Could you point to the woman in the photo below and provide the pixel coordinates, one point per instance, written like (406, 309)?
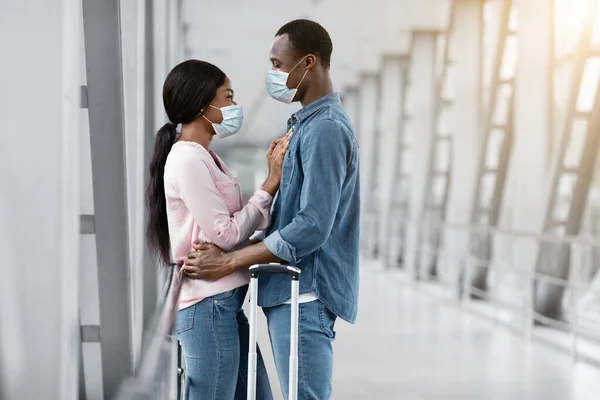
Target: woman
(192, 197)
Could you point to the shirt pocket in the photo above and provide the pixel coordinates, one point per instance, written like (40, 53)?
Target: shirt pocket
(230, 190)
(288, 167)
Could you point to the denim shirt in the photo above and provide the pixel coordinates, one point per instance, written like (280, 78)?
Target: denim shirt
(317, 210)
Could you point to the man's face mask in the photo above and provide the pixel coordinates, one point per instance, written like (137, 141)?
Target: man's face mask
(277, 84)
(233, 118)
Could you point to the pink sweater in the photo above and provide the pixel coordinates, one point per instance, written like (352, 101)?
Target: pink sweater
(204, 204)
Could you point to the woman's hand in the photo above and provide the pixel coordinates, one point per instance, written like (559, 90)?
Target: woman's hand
(275, 156)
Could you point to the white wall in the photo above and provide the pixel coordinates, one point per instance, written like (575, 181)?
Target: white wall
(39, 109)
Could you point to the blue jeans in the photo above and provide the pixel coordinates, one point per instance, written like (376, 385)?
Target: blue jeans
(315, 348)
(214, 336)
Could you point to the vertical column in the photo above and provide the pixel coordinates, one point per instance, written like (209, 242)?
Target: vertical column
(89, 307)
(70, 332)
(132, 22)
(466, 133)
(369, 103)
(572, 172)
(39, 328)
(12, 345)
(146, 130)
(173, 56)
(174, 32)
(421, 109)
(161, 57)
(107, 138)
(529, 167)
(137, 40)
(390, 129)
(350, 99)
(497, 134)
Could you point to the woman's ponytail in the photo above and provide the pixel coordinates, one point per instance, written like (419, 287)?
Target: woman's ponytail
(188, 89)
(157, 231)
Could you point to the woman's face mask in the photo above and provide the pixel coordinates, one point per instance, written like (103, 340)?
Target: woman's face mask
(233, 118)
(277, 84)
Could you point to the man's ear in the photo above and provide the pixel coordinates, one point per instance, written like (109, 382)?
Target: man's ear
(310, 61)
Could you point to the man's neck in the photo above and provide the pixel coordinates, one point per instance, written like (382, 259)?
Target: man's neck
(319, 88)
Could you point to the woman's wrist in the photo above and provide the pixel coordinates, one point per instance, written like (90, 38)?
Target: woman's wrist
(271, 186)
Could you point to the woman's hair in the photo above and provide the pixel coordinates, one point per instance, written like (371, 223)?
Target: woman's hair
(189, 88)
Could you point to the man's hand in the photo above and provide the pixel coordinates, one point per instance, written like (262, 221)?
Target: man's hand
(208, 262)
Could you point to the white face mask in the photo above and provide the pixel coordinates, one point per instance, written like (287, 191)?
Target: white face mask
(277, 84)
(233, 117)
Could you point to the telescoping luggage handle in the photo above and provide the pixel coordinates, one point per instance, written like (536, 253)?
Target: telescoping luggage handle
(294, 273)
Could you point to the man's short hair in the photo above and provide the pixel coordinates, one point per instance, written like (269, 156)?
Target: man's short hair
(309, 37)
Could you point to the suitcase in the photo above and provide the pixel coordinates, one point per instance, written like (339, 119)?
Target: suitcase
(294, 274)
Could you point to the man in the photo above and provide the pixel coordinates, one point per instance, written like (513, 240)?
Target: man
(315, 216)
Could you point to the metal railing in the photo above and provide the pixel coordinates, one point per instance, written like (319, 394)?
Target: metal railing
(159, 375)
(512, 277)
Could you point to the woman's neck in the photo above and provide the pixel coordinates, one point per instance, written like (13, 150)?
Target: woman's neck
(196, 132)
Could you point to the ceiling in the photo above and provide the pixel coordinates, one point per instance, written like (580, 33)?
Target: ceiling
(236, 35)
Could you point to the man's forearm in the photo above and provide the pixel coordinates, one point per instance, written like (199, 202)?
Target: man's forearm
(242, 259)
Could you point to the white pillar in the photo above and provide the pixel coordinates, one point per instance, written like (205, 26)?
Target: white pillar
(421, 112)
(162, 62)
(174, 33)
(39, 333)
(368, 100)
(132, 42)
(392, 76)
(465, 126)
(528, 173)
(569, 21)
(350, 99)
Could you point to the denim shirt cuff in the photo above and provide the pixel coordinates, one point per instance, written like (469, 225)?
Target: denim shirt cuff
(280, 247)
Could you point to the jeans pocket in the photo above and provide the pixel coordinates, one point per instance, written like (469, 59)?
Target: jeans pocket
(184, 320)
(327, 319)
(222, 298)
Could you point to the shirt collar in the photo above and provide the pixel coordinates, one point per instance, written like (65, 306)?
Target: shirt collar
(305, 112)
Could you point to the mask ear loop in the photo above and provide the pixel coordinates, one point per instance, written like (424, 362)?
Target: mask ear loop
(304, 76)
(298, 64)
(217, 108)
